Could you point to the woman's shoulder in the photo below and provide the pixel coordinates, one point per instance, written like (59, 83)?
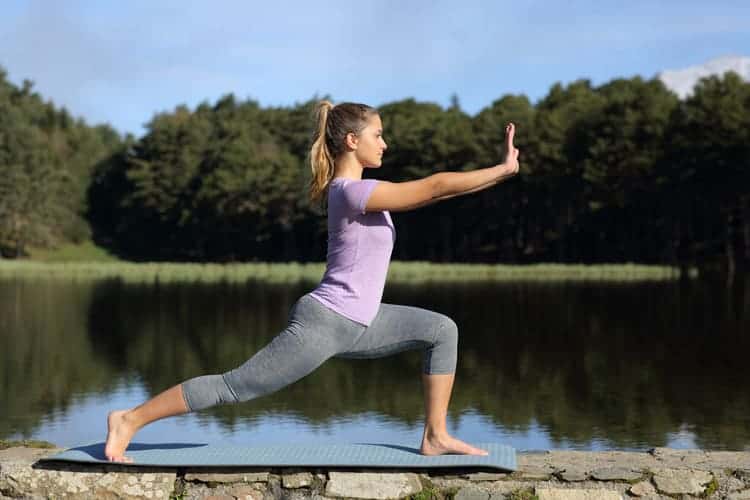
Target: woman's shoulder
(348, 181)
(353, 193)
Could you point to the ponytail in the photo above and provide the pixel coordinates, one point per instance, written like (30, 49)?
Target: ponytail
(321, 161)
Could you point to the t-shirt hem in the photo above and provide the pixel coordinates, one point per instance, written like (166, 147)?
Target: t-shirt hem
(338, 311)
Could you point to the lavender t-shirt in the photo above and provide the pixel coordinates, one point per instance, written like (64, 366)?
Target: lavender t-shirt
(359, 250)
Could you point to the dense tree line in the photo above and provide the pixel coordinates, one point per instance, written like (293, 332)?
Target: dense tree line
(624, 171)
(46, 160)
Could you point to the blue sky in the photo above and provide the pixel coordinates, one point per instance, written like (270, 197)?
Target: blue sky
(120, 62)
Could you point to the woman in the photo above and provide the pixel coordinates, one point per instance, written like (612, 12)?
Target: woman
(343, 316)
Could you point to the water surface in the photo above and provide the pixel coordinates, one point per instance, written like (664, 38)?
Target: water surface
(541, 366)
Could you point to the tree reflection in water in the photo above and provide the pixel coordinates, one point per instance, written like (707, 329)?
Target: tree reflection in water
(628, 364)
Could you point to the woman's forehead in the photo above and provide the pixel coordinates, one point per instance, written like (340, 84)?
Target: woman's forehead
(375, 121)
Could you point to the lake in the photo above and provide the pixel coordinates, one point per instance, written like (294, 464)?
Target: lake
(586, 366)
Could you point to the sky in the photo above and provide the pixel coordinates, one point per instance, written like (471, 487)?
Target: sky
(122, 62)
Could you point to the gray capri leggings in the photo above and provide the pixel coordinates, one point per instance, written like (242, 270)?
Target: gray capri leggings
(316, 333)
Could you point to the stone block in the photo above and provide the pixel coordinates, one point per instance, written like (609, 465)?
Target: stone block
(299, 480)
(576, 494)
(615, 474)
(643, 489)
(469, 493)
(573, 475)
(681, 481)
(245, 492)
(227, 477)
(533, 472)
(734, 484)
(372, 485)
(486, 476)
(21, 480)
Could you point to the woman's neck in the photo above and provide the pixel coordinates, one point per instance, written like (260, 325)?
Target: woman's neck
(347, 167)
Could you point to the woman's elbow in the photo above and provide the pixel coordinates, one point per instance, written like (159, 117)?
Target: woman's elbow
(438, 186)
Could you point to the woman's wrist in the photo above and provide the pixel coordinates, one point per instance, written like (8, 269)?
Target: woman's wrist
(503, 171)
(507, 170)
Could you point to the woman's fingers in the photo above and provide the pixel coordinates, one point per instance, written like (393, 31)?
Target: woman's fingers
(510, 131)
(512, 151)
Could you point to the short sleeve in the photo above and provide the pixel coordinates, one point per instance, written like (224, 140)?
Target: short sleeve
(356, 194)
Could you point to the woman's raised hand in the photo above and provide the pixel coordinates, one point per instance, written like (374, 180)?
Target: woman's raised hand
(511, 153)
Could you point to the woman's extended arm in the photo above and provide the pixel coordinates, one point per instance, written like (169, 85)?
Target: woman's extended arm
(448, 196)
(401, 196)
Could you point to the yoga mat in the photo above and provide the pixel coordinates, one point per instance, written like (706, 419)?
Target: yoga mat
(309, 455)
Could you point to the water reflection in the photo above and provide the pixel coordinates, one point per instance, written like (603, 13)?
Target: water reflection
(570, 365)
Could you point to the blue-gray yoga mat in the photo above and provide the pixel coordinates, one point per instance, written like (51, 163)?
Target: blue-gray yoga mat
(310, 455)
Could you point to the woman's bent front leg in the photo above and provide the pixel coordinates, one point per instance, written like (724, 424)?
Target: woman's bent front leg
(397, 328)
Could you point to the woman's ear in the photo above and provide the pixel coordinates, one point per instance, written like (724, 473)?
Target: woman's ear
(351, 141)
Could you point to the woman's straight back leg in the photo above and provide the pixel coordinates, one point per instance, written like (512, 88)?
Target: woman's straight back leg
(313, 335)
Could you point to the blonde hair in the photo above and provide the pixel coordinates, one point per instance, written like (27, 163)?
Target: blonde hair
(329, 139)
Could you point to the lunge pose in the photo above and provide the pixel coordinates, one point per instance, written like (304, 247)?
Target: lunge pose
(343, 316)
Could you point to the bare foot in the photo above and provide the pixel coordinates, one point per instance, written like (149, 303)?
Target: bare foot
(119, 434)
(447, 444)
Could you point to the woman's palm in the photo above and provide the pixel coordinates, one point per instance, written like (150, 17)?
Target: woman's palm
(511, 152)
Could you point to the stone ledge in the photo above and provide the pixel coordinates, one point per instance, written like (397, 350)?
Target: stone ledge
(661, 473)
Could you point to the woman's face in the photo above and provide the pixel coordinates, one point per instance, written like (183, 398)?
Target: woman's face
(370, 143)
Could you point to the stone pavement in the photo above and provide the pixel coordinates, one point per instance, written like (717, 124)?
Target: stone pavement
(661, 473)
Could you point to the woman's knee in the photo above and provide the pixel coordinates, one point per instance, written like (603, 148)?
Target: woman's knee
(206, 391)
(447, 331)
(442, 357)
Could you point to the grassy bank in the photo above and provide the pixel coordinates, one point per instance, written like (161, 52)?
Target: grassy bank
(402, 272)
(82, 252)
(88, 261)
(26, 443)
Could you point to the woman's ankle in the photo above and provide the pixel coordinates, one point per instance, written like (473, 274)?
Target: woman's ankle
(435, 433)
(129, 418)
